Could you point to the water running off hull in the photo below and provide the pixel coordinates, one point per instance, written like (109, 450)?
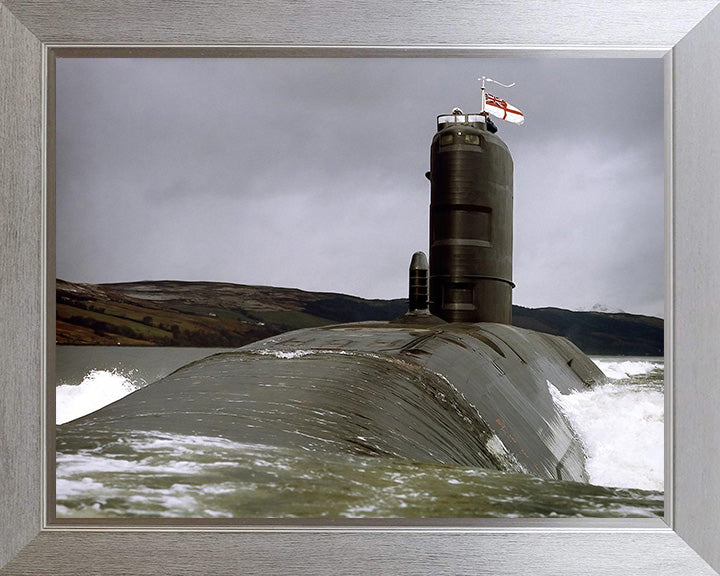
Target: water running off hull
(477, 395)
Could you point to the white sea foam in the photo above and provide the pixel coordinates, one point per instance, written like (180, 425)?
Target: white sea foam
(99, 388)
(619, 369)
(104, 481)
(622, 428)
(88, 497)
(287, 355)
(161, 453)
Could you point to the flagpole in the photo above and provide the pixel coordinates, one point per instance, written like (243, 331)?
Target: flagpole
(482, 98)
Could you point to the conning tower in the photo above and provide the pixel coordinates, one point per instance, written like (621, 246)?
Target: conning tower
(471, 199)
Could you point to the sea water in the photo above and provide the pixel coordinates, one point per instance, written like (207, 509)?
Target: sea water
(146, 474)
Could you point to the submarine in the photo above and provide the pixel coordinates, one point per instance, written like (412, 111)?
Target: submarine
(452, 381)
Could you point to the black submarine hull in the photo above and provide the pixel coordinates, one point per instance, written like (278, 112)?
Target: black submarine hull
(477, 395)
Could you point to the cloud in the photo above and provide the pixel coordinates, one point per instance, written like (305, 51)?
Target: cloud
(310, 172)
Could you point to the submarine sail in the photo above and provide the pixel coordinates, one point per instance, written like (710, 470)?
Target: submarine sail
(471, 197)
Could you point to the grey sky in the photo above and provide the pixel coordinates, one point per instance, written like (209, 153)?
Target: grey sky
(309, 173)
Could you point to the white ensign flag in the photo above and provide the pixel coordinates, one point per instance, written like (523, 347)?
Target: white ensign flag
(500, 108)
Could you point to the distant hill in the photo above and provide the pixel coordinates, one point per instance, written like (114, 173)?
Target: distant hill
(174, 313)
(598, 332)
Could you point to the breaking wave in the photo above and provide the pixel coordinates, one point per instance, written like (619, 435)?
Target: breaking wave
(622, 424)
(617, 369)
(97, 389)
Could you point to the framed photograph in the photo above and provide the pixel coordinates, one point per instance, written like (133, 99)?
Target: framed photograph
(31, 539)
(260, 196)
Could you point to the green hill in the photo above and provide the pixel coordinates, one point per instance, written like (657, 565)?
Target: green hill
(174, 313)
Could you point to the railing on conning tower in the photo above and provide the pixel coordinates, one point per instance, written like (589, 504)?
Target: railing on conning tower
(459, 118)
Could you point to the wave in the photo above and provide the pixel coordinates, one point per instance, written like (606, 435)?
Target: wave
(153, 474)
(618, 369)
(97, 389)
(622, 429)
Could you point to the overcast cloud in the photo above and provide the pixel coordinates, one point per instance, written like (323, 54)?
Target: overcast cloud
(309, 173)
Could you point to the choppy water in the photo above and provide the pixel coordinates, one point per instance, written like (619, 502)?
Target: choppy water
(156, 474)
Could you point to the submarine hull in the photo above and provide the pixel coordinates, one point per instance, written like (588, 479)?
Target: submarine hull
(477, 395)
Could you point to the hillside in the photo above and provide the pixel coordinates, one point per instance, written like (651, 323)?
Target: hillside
(173, 313)
(598, 332)
(170, 313)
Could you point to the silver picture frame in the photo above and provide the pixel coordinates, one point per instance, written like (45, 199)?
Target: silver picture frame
(683, 32)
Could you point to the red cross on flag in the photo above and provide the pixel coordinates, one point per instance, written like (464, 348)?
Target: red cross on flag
(501, 109)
